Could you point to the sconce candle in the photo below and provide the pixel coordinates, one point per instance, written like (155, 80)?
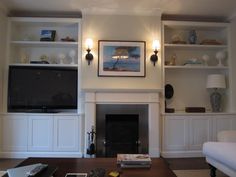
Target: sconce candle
(89, 45)
(156, 47)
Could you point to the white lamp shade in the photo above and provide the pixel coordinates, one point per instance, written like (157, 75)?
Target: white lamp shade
(216, 81)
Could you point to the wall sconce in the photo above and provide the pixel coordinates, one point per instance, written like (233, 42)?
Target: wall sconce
(89, 45)
(156, 47)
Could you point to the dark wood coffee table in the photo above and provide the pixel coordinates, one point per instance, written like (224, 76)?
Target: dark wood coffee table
(159, 167)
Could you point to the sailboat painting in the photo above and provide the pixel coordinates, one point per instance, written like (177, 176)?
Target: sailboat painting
(121, 58)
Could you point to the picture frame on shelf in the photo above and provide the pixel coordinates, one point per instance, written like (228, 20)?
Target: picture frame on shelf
(121, 58)
(47, 35)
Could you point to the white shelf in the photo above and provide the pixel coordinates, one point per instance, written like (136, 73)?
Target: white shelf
(43, 20)
(188, 25)
(198, 113)
(45, 43)
(194, 46)
(46, 65)
(189, 81)
(196, 67)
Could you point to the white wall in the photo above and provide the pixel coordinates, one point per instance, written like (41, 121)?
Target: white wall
(121, 27)
(233, 63)
(3, 26)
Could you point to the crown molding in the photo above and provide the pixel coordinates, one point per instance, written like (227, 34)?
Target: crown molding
(115, 11)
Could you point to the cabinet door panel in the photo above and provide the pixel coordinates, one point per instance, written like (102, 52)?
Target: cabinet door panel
(221, 122)
(175, 133)
(200, 131)
(15, 133)
(66, 133)
(40, 133)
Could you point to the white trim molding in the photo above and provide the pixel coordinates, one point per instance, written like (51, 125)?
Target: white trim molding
(118, 11)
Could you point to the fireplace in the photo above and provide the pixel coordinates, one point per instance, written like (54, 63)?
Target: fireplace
(96, 100)
(121, 129)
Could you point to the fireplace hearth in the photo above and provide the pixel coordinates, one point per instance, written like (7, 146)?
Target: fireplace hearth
(121, 129)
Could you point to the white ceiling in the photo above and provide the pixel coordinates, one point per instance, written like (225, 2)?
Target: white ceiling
(208, 8)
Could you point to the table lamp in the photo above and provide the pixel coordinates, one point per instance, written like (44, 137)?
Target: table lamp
(216, 81)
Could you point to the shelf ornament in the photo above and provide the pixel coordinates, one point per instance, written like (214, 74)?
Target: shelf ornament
(192, 37)
(72, 54)
(205, 58)
(220, 56)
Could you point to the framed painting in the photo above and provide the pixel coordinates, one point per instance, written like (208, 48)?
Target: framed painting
(121, 58)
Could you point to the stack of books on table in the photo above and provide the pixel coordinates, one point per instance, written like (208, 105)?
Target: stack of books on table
(134, 160)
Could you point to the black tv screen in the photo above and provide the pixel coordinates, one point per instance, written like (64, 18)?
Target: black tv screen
(37, 88)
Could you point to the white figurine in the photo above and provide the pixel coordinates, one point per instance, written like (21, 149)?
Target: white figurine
(72, 54)
(220, 56)
(61, 57)
(205, 58)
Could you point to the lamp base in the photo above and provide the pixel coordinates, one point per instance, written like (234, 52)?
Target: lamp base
(216, 101)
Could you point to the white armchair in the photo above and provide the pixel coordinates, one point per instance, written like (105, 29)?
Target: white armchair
(222, 154)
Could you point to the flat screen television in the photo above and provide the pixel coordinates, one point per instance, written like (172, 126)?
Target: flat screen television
(42, 89)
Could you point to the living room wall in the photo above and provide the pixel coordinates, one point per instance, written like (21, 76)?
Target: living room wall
(3, 25)
(233, 63)
(121, 27)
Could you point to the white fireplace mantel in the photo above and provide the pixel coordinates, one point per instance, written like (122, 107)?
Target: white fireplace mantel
(150, 98)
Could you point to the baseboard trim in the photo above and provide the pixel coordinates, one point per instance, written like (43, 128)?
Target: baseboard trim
(39, 154)
(181, 154)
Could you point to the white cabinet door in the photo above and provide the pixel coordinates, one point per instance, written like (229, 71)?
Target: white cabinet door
(1, 131)
(14, 131)
(175, 133)
(40, 133)
(223, 122)
(200, 131)
(66, 133)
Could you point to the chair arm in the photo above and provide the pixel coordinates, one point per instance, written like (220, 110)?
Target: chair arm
(227, 136)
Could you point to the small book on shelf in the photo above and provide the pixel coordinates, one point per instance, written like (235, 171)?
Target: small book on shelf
(134, 160)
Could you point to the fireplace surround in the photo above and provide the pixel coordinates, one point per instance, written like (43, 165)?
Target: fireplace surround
(93, 98)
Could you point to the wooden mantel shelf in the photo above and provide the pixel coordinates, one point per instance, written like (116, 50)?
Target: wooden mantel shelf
(122, 90)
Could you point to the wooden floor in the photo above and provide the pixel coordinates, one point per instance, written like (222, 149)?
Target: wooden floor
(174, 163)
(187, 163)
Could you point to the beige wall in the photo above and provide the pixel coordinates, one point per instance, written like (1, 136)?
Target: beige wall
(121, 27)
(233, 64)
(3, 24)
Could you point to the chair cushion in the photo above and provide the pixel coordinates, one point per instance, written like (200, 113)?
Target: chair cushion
(222, 152)
(227, 136)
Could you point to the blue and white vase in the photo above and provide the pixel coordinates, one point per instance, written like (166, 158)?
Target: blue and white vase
(192, 37)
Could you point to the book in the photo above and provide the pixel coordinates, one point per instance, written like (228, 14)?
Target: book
(133, 159)
(22, 171)
(135, 165)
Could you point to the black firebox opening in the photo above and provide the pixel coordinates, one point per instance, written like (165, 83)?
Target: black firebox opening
(121, 134)
(121, 128)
